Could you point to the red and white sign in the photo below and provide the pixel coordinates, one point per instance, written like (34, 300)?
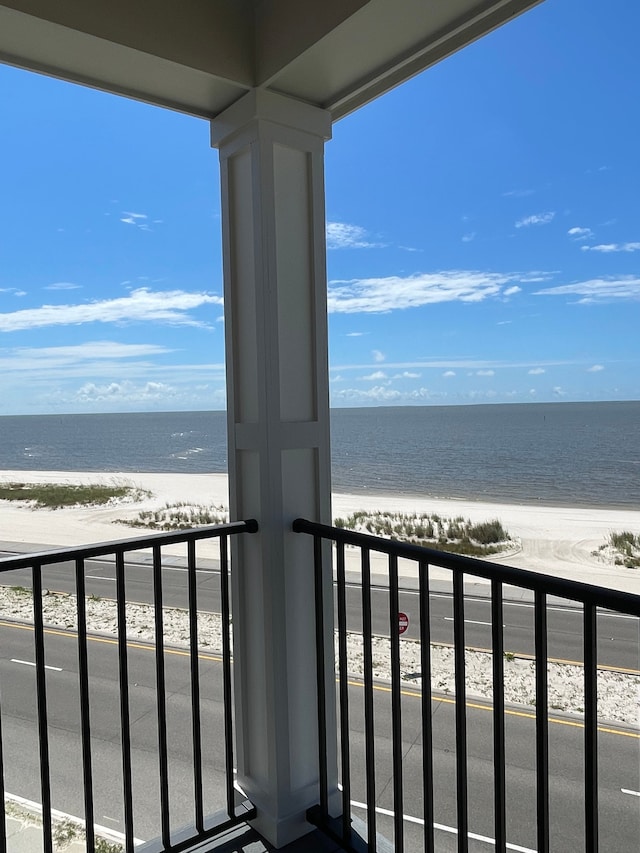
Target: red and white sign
(403, 622)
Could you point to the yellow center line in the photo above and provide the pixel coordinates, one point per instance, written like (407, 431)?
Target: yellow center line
(526, 656)
(508, 711)
(109, 641)
(379, 687)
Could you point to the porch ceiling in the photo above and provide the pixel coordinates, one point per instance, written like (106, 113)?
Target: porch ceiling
(199, 56)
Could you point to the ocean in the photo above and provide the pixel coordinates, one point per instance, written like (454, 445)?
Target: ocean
(571, 454)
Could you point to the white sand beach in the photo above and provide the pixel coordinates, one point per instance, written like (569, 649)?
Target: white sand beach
(553, 540)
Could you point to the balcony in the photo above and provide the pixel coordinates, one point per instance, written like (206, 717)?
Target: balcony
(144, 731)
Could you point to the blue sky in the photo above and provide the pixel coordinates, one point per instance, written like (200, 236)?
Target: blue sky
(483, 234)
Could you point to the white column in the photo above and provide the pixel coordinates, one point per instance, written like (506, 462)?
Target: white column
(273, 220)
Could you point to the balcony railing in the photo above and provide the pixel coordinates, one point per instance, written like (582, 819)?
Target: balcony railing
(83, 696)
(379, 740)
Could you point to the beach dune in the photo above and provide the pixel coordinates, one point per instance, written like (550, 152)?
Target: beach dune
(553, 540)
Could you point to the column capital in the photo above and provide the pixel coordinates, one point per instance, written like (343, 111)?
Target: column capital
(259, 105)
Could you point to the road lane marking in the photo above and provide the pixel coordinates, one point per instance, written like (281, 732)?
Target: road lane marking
(443, 828)
(478, 706)
(148, 647)
(31, 663)
(469, 621)
(631, 793)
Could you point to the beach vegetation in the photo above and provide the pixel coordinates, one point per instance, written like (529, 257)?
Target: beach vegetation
(457, 535)
(178, 516)
(623, 547)
(61, 495)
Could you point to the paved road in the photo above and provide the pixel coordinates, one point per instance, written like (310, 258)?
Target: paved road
(619, 750)
(619, 636)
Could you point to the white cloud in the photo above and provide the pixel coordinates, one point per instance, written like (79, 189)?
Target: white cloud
(142, 305)
(377, 355)
(340, 235)
(511, 291)
(580, 233)
(407, 374)
(383, 394)
(63, 285)
(124, 392)
(536, 219)
(92, 350)
(380, 295)
(485, 373)
(448, 373)
(536, 371)
(376, 376)
(596, 368)
(355, 334)
(137, 219)
(378, 393)
(518, 193)
(607, 248)
(598, 290)
(467, 238)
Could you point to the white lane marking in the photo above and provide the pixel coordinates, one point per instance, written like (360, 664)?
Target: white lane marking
(105, 832)
(31, 663)
(468, 621)
(451, 829)
(164, 569)
(576, 611)
(631, 793)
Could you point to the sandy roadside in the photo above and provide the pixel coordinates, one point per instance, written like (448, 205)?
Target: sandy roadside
(553, 540)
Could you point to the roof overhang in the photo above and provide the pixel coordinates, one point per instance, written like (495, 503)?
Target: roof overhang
(200, 56)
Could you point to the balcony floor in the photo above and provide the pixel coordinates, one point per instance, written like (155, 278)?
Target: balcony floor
(243, 839)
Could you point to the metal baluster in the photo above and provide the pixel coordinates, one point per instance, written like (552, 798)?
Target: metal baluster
(370, 757)
(396, 705)
(320, 678)
(427, 727)
(461, 712)
(343, 694)
(499, 757)
(41, 689)
(125, 723)
(226, 673)
(542, 723)
(85, 720)
(195, 687)
(3, 827)
(590, 729)
(161, 698)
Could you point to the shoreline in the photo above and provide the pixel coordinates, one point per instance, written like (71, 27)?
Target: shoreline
(555, 540)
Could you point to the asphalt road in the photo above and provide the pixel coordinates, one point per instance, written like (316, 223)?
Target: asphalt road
(619, 752)
(619, 635)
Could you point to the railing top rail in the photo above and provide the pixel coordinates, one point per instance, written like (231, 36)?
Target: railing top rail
(134, 543)
(612, 599)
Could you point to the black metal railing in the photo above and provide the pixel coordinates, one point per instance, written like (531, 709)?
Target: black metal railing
(177, 714)
(381, 742)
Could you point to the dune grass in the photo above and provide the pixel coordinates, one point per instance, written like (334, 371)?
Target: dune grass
(178, 516)
(61, 495)
(458, 535)
(624, 547)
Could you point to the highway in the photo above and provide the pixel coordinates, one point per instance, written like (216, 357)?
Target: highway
(619, 750)
(619, 635)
